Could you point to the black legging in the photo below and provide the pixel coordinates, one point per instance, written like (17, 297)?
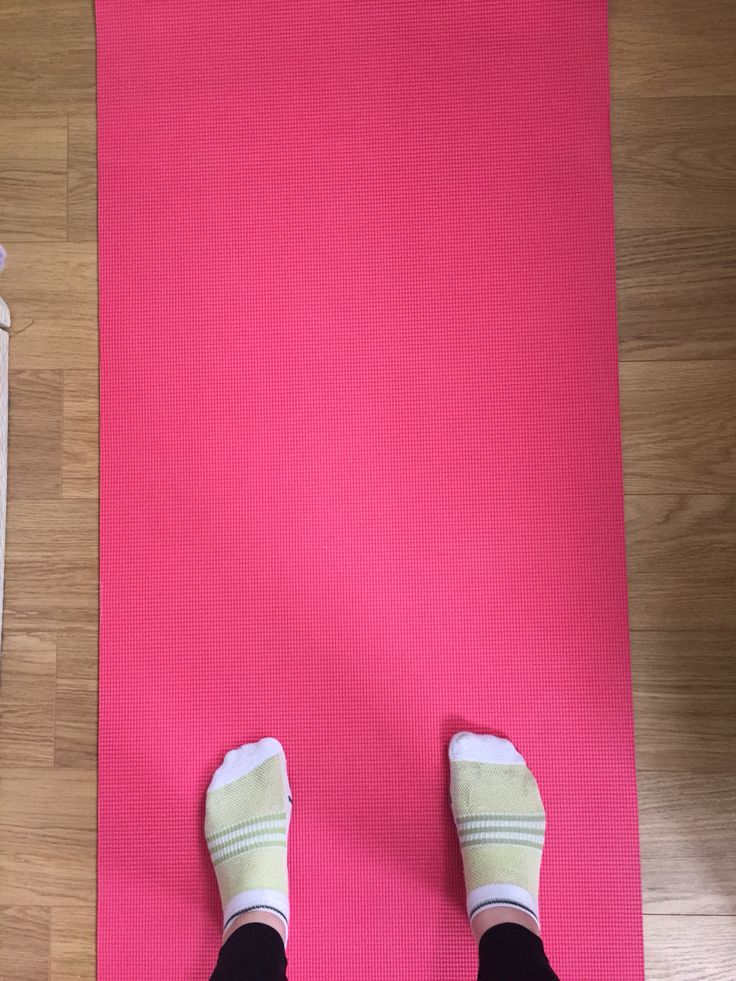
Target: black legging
(508, 952)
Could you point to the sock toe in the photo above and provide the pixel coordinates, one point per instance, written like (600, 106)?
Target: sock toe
(479, 748)
(245, 758)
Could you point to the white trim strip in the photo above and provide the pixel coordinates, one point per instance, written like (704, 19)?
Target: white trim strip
(481, 836)
(494, 895)
(532, 824)
(269, 900)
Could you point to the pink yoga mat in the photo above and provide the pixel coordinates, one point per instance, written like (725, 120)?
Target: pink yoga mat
(361, 476)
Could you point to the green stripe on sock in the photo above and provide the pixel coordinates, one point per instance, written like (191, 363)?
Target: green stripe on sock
(507, 829)
(490, 842)
(280, 816)
(277, 834)
(539, 818)
(219, 859)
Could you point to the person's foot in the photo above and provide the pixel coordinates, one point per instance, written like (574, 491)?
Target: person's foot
(500, 821)
(248, 810)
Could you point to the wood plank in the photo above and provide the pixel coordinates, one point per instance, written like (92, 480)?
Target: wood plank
(674, 163)
(681, 562)
(81, 434)
(24, 943)
(51, 565)
(672, 47)
(73, 951)
(75, 743)
(76, 699)
(82, 225)
(34, 434)
(48, 57)
(47, 837)
(676, 293)
(76, 661)
(27, 693)
(688, 859)
(679, 427)
(685, 701)
(51, 290)
(33, 184)
(690, 948)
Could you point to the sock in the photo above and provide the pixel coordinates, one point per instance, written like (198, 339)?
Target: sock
(248, 810)
(500, 821)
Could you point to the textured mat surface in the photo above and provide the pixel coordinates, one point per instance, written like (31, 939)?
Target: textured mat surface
(360, 465)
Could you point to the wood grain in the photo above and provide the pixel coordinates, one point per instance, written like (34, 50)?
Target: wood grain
(81, 435)
(685, 820)
(676, 293)
(75, 743)
(690, 948)
(75, 729)
(685, 701)
(27, 699)
(35, 406)
(24, 943)
(52, 290)
(72, 955)
(48, 62)
(672, 47)
(675, 163)
(682, 561)
(679, 427)
(82, 217)
(47, 836)
(33, 174)
(76, 661)
(51, 565)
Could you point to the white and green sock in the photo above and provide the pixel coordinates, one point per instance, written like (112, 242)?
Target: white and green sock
(500, 821)
(247, 818)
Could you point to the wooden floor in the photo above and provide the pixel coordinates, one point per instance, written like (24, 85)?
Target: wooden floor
(674, 138)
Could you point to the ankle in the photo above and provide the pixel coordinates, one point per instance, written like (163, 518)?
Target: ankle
(256, 916)
(488, 918)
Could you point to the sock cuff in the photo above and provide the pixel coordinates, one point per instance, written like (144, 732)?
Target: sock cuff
(265, 900)
(502, 894)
